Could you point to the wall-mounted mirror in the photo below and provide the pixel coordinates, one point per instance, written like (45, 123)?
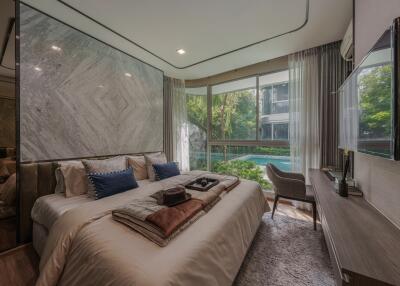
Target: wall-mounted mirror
(8, 196)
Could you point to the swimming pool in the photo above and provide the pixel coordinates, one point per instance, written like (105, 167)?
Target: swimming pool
(282, 162)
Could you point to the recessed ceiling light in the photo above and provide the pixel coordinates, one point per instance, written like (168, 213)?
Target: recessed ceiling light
(128, 74)
(100, 86)
(181, 51)
(56, 48)
(37, 69)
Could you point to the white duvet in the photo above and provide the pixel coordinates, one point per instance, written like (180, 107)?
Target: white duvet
(87, 247)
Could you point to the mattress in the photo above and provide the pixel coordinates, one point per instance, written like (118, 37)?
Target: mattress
(39, 237)
(80, 252)
(48, 209)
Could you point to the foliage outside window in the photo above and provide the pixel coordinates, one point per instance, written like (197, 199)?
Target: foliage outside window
(233, 107)
(234, 110)
(196, 100)
(375, 118)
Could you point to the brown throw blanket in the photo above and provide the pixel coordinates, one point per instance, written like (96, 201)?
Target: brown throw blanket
(161, 223)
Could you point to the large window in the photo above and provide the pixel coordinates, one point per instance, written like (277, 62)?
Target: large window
(196, 99)
(274, 103)
(234, 110)
(239, 126)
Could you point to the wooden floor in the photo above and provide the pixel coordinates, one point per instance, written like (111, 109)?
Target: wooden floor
(19, 266)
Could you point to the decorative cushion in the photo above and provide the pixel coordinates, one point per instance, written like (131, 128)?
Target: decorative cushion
(138, 164)
(151, 159)
(108, 184)
(167, 170)
(103, 166)
(71, 178)
(8, 190)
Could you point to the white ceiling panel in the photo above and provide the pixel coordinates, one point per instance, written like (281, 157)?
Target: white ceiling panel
(153, 30)
(204, 29)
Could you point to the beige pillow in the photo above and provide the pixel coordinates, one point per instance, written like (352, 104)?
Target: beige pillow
(71, 178)
(118, 163)
(154, 158)
(8, 190)
(138, 164)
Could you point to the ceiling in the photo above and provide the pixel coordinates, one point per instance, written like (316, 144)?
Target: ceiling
(208, 30)
(7, 36)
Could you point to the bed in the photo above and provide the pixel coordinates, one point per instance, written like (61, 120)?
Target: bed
(80, 243)
(47, 209)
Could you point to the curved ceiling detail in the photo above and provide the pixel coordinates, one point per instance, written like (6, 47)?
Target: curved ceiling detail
(182, 67)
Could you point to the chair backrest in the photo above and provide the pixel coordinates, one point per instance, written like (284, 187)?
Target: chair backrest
(285, 186)
(271, 174)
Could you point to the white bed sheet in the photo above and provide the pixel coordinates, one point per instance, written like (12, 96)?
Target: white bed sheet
(48, 209)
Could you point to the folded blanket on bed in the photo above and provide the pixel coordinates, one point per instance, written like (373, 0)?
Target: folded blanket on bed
(160, 223)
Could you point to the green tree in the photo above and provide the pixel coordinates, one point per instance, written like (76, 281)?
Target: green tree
(375, 102)
(243, 169)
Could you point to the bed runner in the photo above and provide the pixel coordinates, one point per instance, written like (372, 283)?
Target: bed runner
(160, 223)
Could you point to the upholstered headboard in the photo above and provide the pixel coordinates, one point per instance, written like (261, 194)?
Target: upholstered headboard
(35, 180)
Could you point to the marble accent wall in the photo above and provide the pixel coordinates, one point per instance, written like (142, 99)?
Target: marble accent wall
(80, 97)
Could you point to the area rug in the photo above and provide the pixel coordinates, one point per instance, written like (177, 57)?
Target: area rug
(286, 251)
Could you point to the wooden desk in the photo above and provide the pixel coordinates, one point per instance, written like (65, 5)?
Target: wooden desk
(363, 245)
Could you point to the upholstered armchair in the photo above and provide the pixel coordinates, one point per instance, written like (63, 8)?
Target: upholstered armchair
(291, 186)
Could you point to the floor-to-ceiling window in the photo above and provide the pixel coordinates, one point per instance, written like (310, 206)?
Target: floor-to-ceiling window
(196, 100)
(239, 126)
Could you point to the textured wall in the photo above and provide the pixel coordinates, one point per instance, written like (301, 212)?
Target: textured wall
(378, 178)
(78, 101)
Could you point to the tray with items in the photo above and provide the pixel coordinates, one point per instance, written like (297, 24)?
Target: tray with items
(202, 184)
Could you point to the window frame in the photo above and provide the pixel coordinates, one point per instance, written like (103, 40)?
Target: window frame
(258, 141)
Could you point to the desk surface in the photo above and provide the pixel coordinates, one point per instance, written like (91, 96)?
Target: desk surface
(364, 241)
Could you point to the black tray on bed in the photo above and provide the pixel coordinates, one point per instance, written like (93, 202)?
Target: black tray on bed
(202, 184)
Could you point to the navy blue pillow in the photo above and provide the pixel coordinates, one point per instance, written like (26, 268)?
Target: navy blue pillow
(167, 170)
(108, 184)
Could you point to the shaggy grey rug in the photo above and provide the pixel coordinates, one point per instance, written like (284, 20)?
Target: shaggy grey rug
(286, 251)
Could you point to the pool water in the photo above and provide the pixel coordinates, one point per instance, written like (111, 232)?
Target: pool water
(282, 162)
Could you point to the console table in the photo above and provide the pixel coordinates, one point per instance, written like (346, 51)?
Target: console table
(364, 246)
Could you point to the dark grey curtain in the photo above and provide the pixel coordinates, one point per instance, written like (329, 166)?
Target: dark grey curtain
(333, 71)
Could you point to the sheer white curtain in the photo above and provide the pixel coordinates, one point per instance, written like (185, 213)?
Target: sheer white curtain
(180, 127)
(304, 124)
(177, 143)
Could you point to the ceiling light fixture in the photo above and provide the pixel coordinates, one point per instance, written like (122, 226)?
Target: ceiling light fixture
(128, 74)
(181, 51)
(56, 48)
(37, 69)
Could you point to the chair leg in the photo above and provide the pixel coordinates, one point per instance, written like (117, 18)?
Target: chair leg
(275, 205)
(314, 206)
